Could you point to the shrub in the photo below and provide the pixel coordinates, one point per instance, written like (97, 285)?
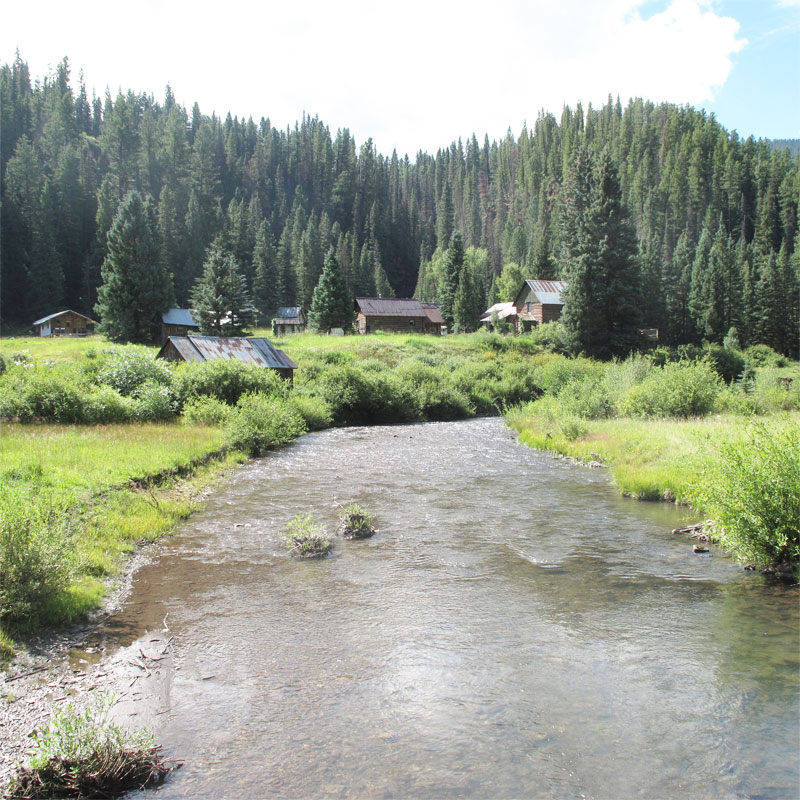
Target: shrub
(436, 401)
(558, 371)
(586, 398)
(33, 561)
(227, 381)
(728, 363)
(753, 494)
(260, 422)
(42, 393)
(314, 410)
(305, 538)
(571, 427)
(205, 411)
(762, 355)
(551, 336)
(82, 754)
(154, 402)
(355, 522)
(2, 365)
(105, 406)
(678, 389)
(127, 369)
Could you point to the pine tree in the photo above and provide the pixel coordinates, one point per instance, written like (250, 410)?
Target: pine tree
(468, 304)
(266, 288)
(219, 298)
(136, 288)
(453, 266)
(332, 304)
(602, 298)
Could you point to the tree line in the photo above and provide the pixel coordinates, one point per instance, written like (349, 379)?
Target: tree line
(709, 238)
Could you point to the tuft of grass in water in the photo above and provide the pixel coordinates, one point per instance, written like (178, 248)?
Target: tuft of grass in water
(305, 538)
(83, 754)
(355, 522)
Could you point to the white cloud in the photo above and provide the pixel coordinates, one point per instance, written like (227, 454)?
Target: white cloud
(415, 76)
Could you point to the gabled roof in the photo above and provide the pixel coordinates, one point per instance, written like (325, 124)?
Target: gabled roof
(290, 315)
(503, 310)
(546, 292)
(180, 316)
(249, 351)
(390, 307)
(59, 313)
(433, 313)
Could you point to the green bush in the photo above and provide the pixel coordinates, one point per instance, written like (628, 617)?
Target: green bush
(33, 561)
(728, 363)
(555, 373)
(154, 402)
(586, 398)
(355, 522)
(205, 411)
(44, 393)
(129, 368)
(314, 410)
(753, 494)
(678, 389)
(226, 380)
(260, 422)
(105, 406)
(762, 355)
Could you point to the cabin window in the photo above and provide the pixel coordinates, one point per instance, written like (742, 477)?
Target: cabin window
(411, 322)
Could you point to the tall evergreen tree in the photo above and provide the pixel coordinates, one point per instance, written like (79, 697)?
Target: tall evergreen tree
(332, 304)
(136, 288)
(219, 298)
(602, 298)
(266, 284)
(453, 266)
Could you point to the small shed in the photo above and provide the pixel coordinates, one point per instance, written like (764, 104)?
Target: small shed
(290, 319)
(397, 315)
(64, 323)
(538, 302)
(249, 351)
(505, 312)
(178, 322)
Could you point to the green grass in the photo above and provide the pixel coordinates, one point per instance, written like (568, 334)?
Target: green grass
(53, 348)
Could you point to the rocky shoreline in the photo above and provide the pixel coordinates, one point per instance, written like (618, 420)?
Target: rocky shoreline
(69, 667)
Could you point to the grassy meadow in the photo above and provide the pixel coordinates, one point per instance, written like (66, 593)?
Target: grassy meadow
(102, 447)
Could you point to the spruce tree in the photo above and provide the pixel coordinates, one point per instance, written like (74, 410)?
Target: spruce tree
(453, 266)
(266, 286)
(602, 298)
(219, 298)
(332, 304)
(136, 288)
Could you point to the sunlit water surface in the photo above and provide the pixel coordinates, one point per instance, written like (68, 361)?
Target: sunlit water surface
(515, 629)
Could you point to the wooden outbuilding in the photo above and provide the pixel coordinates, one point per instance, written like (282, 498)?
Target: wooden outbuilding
(289, 319)
(64, 323)
(504, 312)
(397, 315)
(178, 322)
(248, 351)
(538, 302)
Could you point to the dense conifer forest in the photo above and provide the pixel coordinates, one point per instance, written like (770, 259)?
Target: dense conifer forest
(714, 217)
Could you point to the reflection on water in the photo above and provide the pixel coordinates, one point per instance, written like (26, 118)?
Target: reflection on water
(515, 629)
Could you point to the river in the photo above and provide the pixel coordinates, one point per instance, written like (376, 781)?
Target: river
(514, 629)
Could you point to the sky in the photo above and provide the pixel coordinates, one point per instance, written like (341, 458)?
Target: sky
(418, 75)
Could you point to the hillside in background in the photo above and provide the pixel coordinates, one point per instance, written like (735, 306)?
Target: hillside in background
(715, 216)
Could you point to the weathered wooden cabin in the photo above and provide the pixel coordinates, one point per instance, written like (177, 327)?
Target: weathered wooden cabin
(538, 302)
(397, 315)
(64, 323)
(249, 351)
(290, 319)
(178, 322)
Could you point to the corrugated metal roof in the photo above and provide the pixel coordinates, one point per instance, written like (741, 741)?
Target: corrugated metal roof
(180, 316)
(289, 314)
(249, 351)
(59, 313)
(548, 292)
(390, 307)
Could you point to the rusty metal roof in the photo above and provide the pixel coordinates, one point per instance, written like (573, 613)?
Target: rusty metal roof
(390, 307)
(249, 351)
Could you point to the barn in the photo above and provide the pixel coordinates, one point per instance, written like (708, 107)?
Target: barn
(397, 315)
(64, 323)
(538, 302)
(209, 348)
(289, 319)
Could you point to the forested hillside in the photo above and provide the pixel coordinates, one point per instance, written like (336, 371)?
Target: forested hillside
(715, 217)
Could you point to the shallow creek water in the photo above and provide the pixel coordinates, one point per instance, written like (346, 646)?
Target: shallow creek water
(515, 629)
